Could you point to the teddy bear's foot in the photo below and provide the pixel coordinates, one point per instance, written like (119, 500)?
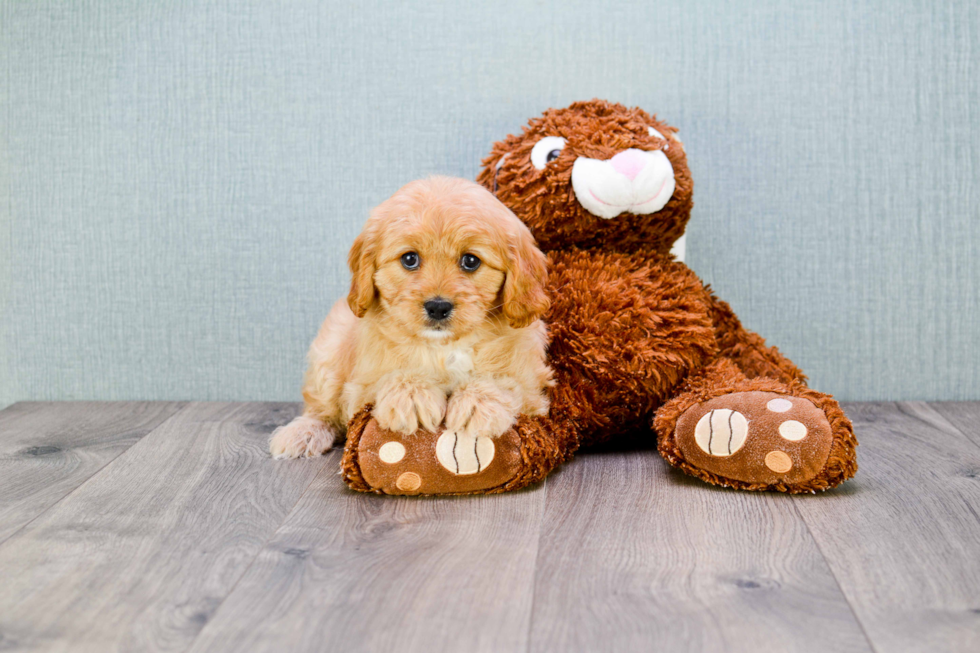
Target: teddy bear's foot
(444, 462)
(759, 438)
(447, 462)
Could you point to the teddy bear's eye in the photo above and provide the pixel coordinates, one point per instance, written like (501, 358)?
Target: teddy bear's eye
(546, 150)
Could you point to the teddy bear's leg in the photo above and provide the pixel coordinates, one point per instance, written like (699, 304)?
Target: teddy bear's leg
(384, 462)
(756, 434)
(748, 350)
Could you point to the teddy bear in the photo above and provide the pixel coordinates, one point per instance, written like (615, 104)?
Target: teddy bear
(638, 343)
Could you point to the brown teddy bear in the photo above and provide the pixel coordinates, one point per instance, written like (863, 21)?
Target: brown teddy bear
(637, 339)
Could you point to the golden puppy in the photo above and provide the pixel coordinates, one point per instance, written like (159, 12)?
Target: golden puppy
(441, 323)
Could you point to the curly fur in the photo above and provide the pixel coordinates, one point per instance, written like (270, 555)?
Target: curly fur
(479, 367)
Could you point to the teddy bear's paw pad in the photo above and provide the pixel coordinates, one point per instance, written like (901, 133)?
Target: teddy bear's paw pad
(756, 437)
(721, 432)
(445, 462)
(463, 455)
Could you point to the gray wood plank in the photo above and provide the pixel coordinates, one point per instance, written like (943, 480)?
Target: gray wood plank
(637, 557)
(964, 415)
(49, 449)
(357, 572)
(139, 557)
(903, 537)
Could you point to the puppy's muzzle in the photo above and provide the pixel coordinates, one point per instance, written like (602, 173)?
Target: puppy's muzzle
(438, 309)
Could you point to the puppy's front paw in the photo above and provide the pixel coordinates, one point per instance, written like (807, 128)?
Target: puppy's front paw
(403, 406)
(304, 436)
(481, 409)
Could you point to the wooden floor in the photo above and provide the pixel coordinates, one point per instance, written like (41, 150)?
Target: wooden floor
(165, 526)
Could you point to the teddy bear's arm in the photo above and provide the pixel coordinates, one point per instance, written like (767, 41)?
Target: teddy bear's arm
(625, 332)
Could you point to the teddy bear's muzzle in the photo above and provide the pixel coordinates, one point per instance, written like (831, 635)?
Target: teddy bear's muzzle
(633, 181)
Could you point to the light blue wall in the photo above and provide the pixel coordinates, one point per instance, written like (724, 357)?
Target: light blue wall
(180, 182)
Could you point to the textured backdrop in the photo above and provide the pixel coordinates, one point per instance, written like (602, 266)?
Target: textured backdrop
(180, 181)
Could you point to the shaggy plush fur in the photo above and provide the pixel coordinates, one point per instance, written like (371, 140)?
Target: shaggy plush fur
(626, 329)
(545, 201)
(476, 368)
(636, 338)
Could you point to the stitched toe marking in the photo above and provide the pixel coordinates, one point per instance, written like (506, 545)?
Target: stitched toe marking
(721, 432)
(462, 455)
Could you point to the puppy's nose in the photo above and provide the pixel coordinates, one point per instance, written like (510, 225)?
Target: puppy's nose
(438, 308)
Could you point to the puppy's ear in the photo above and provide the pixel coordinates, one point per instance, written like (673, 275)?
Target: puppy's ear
(525, 297)
(362, 267)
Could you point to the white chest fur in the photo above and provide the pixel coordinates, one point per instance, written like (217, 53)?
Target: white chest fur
(458, 362)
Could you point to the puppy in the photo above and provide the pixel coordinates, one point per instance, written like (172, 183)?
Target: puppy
(441, 323)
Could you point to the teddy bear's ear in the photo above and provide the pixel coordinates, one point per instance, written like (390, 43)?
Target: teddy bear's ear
(525, 295)
(491, 168)
(676, 138)
(666, 133)
(496, 171)
(361, 261)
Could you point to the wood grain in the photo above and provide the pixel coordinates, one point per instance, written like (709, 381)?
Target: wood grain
(636, 557)
(191, 538)
(361, 572)
(903, 537)
(139, 557)
(48, 450)
(964, 415)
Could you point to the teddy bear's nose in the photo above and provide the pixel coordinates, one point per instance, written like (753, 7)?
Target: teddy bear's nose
(629, 163)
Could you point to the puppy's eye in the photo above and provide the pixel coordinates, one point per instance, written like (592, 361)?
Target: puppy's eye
(469, 262)
(546, 150)
(410, 261)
